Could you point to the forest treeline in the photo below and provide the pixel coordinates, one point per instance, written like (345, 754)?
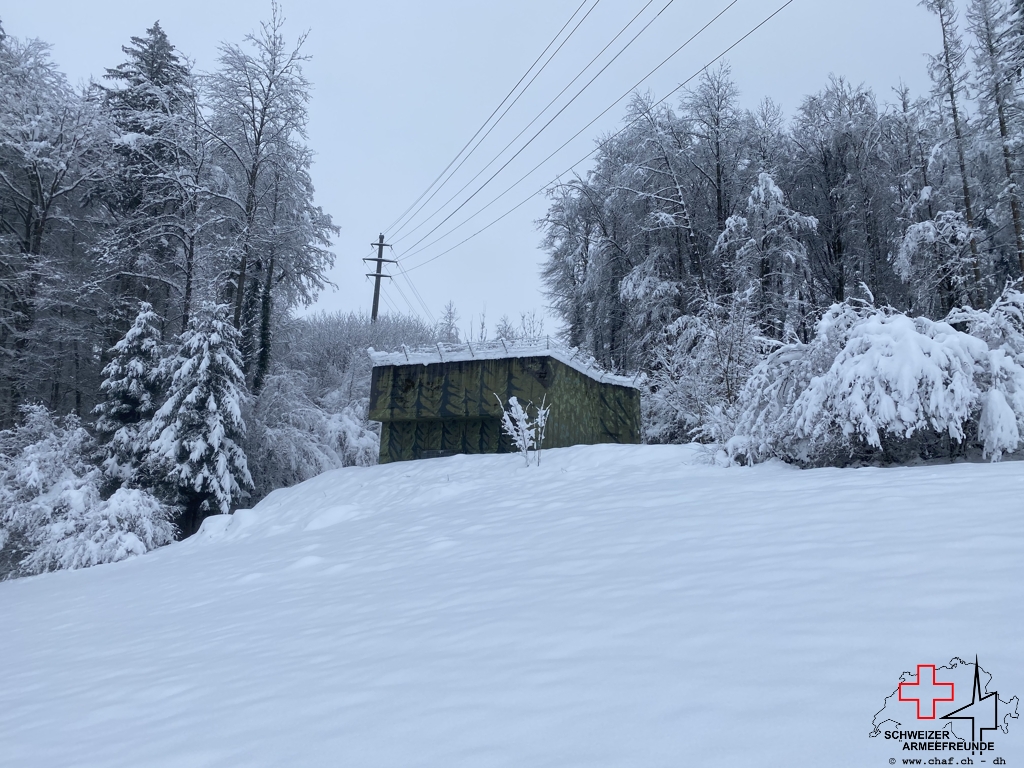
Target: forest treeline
(158, 230)
(712, 246)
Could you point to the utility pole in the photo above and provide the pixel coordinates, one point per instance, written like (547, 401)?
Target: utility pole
(380, 260)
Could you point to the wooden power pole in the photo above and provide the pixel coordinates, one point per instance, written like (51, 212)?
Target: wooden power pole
(380, 260)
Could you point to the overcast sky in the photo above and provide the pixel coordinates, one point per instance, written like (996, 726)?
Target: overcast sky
(401, 85)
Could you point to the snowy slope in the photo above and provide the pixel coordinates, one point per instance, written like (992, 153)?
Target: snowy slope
(617, 606)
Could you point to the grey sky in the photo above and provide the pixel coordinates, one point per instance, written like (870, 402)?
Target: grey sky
(401, 85)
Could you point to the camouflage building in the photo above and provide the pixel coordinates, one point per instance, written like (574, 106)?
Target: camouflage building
(442, 402)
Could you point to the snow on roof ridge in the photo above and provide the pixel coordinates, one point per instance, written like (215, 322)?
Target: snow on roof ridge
(496, 350)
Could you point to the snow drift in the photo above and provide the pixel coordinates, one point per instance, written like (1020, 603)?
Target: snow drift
(616, 606)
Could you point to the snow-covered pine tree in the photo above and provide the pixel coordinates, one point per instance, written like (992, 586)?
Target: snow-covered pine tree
(152, 85)
(158, 187)
(448, 325)
(767, 254)
(132, 392)
(195, 437)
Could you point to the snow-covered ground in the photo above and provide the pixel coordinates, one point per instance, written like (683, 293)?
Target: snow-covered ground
(616, 606)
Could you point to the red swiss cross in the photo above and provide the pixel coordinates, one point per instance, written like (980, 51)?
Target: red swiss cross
(926, 692)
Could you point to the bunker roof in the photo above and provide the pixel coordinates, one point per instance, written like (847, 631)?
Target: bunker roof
(498, 350)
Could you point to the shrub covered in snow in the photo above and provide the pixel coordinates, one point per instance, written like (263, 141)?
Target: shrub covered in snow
(873, 379)
(292, 438)
(699, 370)
(526, 433)
(131, 522)
(353, 435)
(52, 514)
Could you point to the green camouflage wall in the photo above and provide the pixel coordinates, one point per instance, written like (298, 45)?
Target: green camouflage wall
(445, 408)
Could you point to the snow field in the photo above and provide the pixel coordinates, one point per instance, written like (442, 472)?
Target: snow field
(616, 606)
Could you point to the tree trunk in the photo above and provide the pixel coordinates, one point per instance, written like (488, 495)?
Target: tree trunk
(190, 257)
(252, 177)
(961, 154)
(266, 308)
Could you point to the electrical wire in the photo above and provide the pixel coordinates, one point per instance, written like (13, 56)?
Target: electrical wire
(384, 295)
(415, 292)
(507, 97)
(547, 124)
(493, 126)
(414, 247)
(589, 154)
(524, 130)
(401, 293)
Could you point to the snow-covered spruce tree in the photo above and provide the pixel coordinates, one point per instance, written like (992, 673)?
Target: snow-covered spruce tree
(763, 251)
(161, 188)
(132, 391)
(52, 513)
(195, 437)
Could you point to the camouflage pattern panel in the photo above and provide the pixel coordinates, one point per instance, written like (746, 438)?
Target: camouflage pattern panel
(411, 440)
(587, 412)
(431, 402)
(397, 440)
(457, 390)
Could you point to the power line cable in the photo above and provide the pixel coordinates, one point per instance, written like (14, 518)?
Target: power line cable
(418, 296)
(413, 248)
(384, 295)
(415, 292)
(401, 293)
(585, 157)
(546, 125)
(507, 97)
(494, 125)
(395, 235)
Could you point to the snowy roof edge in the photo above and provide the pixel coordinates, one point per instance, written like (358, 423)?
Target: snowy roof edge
(454, 353)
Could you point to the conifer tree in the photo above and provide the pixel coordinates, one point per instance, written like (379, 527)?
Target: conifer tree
(195, 437)
(131, 391)
(156, 193)
(151, 86)
(768, 255)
